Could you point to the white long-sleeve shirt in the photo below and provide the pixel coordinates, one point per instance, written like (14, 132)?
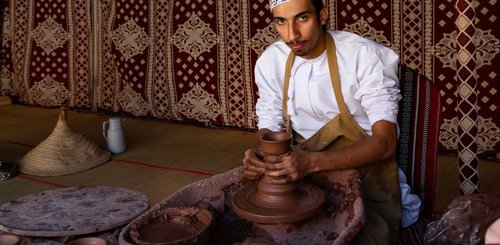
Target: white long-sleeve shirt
(370, 88)
(368, 78)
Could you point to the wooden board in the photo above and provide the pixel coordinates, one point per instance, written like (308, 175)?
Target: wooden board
(71, 211)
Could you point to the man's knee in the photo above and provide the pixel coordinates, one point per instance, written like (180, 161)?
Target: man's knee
(375, 231)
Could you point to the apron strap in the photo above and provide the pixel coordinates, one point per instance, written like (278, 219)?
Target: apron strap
(334, 77)
(334, 74)
(286, 85)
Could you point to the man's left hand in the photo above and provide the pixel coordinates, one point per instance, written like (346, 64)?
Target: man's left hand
(289, 167)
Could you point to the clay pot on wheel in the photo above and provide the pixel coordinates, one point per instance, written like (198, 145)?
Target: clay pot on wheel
(270, 203)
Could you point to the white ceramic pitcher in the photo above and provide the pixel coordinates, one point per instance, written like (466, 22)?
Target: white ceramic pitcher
(114, 135)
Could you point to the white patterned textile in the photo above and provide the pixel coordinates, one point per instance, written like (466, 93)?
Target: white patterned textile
(274, 3)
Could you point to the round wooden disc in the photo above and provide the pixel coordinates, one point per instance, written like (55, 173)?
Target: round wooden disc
(71, 211)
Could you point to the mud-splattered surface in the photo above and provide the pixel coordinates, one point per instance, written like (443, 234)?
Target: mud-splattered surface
(341, 218)
(71, 211)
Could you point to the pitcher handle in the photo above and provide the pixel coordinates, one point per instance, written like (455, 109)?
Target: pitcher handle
(104, 130)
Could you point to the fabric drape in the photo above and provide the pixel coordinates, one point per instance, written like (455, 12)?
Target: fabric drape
(467, 97)
(192, 61)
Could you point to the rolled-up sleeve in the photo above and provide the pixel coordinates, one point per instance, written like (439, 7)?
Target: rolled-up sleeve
(378, 92)
(269, 104)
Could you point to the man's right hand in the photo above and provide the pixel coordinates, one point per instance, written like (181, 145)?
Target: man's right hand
(253, 162)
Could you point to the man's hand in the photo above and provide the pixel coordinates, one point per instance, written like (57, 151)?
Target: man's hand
(253, 163)
(289, 167)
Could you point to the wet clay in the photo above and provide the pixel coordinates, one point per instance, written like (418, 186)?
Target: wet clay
(278, 203)
(182, 225)
(336, 224)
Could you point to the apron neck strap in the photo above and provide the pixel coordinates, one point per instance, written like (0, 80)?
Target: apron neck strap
(334, 74)
(334, 77)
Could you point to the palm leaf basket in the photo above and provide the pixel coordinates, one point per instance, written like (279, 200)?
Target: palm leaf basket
(63, 152)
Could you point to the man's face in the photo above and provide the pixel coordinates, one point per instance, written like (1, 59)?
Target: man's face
(298, 25)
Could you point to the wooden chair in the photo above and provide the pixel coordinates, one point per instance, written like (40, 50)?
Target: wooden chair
(419, 120)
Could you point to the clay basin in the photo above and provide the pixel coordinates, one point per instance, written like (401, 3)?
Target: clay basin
(175, 225)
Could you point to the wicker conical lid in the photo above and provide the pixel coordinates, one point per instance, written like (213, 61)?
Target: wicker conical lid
(64, 151)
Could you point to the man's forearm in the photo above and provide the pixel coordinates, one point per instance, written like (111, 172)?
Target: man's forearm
(379, 146)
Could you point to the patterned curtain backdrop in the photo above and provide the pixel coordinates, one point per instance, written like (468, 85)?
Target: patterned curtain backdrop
(47, 52)
(193, 60)
(467, 97)
(182, 60)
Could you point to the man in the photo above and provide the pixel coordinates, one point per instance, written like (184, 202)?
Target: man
(337, 93)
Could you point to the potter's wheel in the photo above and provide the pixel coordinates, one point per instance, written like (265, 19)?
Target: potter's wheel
(330, 226)
(307, 201)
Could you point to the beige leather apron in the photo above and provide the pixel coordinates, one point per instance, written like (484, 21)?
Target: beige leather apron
(379, 181)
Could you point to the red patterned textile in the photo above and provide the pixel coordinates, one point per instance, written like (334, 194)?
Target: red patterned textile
(192, 61)
(468, 96)
(414, 234)
(419, 119)
(46, 51)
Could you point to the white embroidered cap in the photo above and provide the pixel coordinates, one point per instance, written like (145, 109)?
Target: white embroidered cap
(274, 3)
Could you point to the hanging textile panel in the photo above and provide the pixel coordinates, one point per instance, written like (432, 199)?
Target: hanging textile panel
(486, 42)
(182, 60)
(193, 61)
(47, 52)
(424, 34)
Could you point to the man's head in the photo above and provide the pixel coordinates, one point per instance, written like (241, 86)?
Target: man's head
(318, 5)
(300, 24)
